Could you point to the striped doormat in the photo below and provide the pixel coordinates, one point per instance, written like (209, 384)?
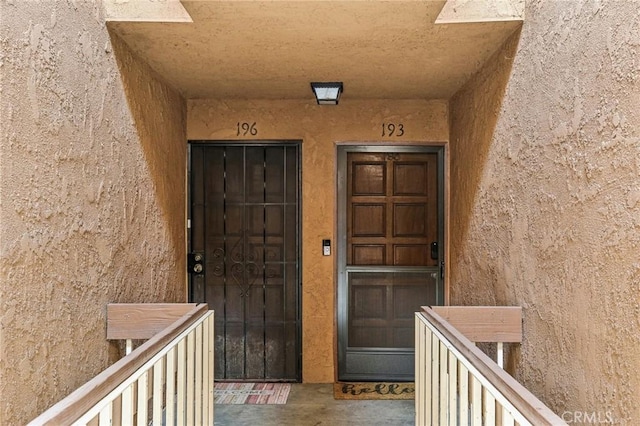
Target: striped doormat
(251, 393)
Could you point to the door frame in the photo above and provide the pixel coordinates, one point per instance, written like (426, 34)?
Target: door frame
(299, 268)
(442, 296)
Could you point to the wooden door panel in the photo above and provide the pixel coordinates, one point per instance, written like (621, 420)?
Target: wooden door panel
(392, 198)
(410, 255)
(369, 178)
(369, 220)
(403, 337)
(381, 307)
(409, 220)
(410, 179)
(369, 254)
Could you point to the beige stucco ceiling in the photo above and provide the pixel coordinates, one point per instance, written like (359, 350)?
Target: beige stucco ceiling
(274, 49)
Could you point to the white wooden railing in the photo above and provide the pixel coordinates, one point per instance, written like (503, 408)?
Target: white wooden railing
(166, 381)
(457, 384)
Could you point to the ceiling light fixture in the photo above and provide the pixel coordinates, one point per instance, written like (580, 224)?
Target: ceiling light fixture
(327, 93)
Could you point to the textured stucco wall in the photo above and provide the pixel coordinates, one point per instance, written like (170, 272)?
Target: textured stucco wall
(90, 149)
(319, 128)
(546, 212)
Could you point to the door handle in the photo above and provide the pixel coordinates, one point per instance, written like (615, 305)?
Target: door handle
(434, 250)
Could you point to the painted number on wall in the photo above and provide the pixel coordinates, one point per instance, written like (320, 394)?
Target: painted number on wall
(245, 129)
(392, 130)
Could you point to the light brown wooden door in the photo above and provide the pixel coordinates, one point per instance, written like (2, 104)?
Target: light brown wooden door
(392, 220)
(245, 222)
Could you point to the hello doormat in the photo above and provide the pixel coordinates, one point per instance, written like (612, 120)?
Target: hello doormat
(251, 393)
(373, 390)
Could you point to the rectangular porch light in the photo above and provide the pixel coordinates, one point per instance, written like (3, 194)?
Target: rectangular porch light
(327, 93)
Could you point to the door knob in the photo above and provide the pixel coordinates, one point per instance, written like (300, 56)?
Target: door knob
(196, 263)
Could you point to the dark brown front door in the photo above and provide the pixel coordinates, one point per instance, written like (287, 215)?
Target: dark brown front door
(392, 260)
(392, 209)
(245, 222)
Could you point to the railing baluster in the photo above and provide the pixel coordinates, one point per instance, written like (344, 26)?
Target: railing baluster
(157, 392)
(500, 354)
(210, 360)
(427, 399)
(420, 362)
(127, 405)
(453, 389)
(205, 372)
(444, 384)
(463, 401)
(170, 401)
(476, 402)
(507, 418)
(197, 394)
(435, 380)
(143, 398)
(191, 364)
(489, 407)
(106, 415)
(182, 381)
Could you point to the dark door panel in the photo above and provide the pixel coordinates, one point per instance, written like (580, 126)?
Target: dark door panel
(245, 221)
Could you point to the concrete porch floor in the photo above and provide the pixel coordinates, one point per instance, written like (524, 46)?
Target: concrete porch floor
(313, 405)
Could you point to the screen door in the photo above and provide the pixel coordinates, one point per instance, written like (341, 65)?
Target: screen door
(390, 259)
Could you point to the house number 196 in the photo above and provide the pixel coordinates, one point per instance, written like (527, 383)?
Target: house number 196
(392, 129)
(245, 129)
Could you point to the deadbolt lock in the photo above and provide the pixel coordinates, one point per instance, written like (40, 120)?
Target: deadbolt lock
(196, 263)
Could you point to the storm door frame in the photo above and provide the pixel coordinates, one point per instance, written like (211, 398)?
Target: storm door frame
(345, 354)
(299, 263)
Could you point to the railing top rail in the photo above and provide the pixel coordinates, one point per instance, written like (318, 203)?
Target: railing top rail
(86, 396)
(531, 407)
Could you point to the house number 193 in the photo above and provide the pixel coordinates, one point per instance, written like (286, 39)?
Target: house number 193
(392, 129)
